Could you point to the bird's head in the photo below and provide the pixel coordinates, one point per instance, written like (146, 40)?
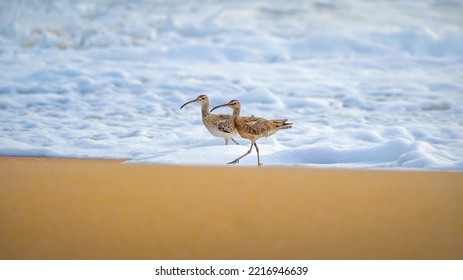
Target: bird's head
(234, 104)
(203, 99)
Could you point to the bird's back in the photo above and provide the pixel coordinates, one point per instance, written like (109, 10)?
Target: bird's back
(255, 128)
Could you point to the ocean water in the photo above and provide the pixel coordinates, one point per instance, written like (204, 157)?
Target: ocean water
(367, 84)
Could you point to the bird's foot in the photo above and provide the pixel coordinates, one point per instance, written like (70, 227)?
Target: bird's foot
(234, 162)
(260, 164)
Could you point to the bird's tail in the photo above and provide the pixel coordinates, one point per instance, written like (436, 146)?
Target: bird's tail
(282, 124)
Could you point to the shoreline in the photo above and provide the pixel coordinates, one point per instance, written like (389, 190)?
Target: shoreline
(32, 158)
(298, 167)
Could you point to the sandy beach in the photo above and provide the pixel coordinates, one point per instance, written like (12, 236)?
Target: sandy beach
(103, 209)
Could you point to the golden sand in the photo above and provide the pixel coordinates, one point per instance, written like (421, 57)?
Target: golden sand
(102, 209)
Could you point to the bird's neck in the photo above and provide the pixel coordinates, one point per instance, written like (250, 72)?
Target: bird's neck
(236, 113)
(204, 110)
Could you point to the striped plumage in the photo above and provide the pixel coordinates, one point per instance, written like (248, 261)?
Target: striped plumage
(253, 128)
(221, 126)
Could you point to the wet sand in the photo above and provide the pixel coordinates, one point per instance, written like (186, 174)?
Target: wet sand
(103, 209)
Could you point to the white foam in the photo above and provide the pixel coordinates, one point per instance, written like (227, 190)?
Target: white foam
(367, 84)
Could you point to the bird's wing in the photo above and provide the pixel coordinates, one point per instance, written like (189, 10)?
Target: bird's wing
(256, 125)
(224, 123)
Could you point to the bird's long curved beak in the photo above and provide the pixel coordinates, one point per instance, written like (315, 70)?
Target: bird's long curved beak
(223, 105)
(192, 101)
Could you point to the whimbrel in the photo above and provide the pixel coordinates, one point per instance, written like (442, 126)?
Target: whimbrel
(253, 128)
(218, 125)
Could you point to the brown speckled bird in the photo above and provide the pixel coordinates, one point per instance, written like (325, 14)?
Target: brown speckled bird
(218, 125)
(253, 128)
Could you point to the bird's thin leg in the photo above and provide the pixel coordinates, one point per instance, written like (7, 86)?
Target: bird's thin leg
(235, 141)
(258, 158)
(238, 159)
(226, 141)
